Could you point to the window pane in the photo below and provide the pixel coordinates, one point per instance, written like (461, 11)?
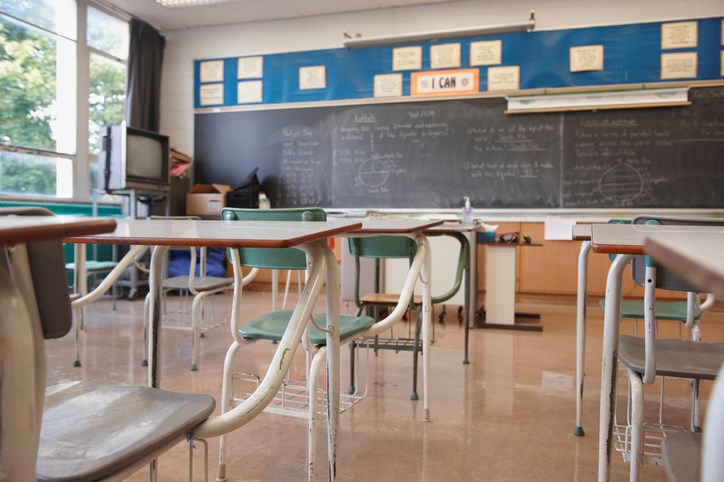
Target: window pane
(28, 86)
(55, 15)
(28, 174)
(107, 33)
(107, 97)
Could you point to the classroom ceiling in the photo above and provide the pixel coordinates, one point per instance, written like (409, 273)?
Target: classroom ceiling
(238, 11)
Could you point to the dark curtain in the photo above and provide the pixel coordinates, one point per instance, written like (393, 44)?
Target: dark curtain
(143, 90)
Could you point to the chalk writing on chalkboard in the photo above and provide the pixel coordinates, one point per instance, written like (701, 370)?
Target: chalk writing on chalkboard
(429, 155)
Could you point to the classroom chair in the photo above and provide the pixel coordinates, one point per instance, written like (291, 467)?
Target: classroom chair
(199, 284)
(88, 431)
(695, 457)
(271, 326)
(649, 357)
(80, 288)
(392, 247)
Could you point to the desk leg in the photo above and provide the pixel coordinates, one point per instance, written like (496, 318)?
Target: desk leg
(468, 316)
(609, 364)
(333, 348)
(581, 333)
(154, 314)
(426, 278)
(81, 287)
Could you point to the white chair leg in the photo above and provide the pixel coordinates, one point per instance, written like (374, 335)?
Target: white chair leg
(146, 317)
(317, 362)
(197, 314)
(77, 316)
(637, 424)
(226, 399)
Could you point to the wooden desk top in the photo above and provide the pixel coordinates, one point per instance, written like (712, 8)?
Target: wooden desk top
(396, 226)
(697, 258)
(28, 229)
(629, 238)
(452, 227)
(581, 232)
(227, 234)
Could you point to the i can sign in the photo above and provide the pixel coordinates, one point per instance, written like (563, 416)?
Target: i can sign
(445, 82)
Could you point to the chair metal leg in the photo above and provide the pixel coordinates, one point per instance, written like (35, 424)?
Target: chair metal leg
(76, 314)
(637, 424)
(352, 388)
(317, 362)
(146, 318)
(415, 349)
(226, 400)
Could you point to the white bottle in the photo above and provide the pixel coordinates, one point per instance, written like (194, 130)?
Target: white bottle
(264, 202)
(467, 212)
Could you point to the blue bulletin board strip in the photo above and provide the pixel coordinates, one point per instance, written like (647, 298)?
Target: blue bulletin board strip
(632, 54)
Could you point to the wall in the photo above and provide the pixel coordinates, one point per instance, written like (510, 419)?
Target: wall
(323, 32)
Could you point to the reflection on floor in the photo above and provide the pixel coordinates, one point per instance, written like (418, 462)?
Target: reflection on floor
(509, 415)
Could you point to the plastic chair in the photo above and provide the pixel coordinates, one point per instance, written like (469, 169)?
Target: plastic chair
(93, 268)
(273, 325)
(200, 285)
(88, 431)
(650, 357)
(393, 247)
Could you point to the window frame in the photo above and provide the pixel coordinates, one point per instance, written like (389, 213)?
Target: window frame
(82, 157)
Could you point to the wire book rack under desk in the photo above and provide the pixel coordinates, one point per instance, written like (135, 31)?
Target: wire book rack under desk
(292, 399)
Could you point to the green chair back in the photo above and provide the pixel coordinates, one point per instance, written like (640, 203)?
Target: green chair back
(383, 247)
(289, 258)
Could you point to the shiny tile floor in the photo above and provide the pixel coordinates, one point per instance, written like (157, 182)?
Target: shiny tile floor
(507, 416)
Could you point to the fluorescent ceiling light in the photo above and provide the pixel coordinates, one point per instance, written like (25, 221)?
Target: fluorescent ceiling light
(358, 41)
(189, 3)
(598, 100)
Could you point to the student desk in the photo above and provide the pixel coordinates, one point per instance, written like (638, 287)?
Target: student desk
(624, 240)
(699, 259)
(24, 355)
(308, 236)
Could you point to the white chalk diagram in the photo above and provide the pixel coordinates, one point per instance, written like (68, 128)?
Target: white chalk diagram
(621, 183)
(373, 173)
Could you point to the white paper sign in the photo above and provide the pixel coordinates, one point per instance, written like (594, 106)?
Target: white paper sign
(679, 35)
(211, 71)
(680, 65)
(489, 52)
(586, 58)
(211, 94)
(445, 56)
(250, 67)
(388, 85)
(504, 78)
(314, 77)
(407, 58)
(249, 91)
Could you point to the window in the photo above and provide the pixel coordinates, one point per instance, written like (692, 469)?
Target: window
(42, 92)
(108, 46)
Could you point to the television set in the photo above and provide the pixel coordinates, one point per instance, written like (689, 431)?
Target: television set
(132, 158)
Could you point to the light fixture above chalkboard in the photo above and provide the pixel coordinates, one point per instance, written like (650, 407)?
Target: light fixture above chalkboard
(357, 41)
(628, 99)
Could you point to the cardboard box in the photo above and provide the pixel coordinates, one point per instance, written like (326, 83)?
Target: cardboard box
(206, 200)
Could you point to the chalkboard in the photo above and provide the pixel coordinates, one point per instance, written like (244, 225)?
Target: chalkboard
(429, 155)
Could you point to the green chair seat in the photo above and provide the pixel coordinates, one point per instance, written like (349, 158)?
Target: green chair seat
(271, 326)
(665, 310)
(92, 265)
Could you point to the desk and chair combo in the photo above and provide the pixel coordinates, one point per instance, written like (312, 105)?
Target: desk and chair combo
(648, 357)
(151, 419)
